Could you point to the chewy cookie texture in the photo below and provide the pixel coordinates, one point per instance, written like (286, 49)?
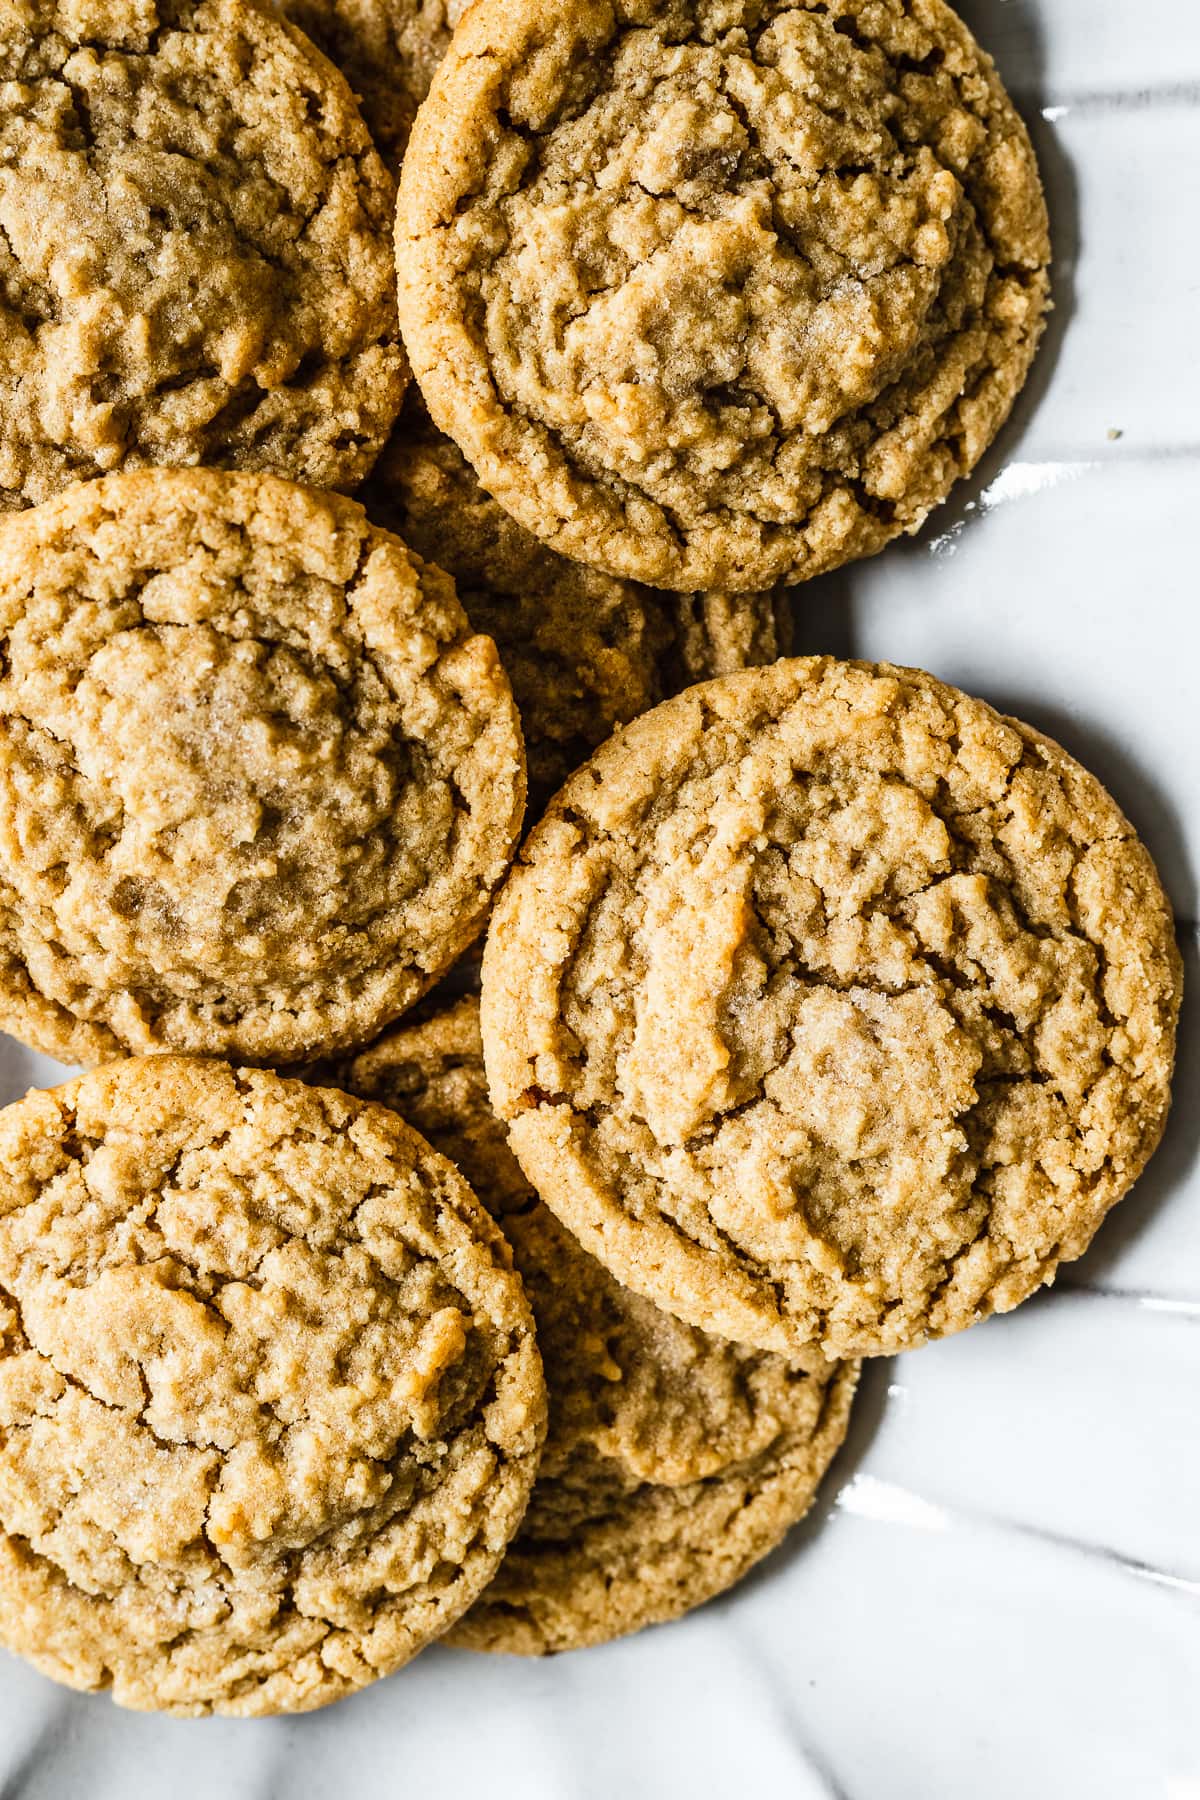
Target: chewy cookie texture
(827, 1009)
(195, 255)
(674, 1460)
(258, 779)
(831, 1008)
(270, 1402)
(712, 294)
(584, 651)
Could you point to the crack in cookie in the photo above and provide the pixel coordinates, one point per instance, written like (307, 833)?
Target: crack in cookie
(270, 1402)
(195, 264)
(828, 1007)
(723, 294)
(258, 779)
(674, 1460)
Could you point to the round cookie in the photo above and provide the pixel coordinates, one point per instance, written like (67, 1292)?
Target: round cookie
(270, 1400)
(258, 780)
(721, 293)
(388, 50)
(584, 651)
(829, 1007)
(674, 1461)
(195, 250)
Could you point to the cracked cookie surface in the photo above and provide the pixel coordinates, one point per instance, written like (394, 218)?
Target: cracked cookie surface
(584, 651)
(719, 293)
(674, 1460)
(195, 250)
(829, 1007)
(258, 779)
(388, 50)
(270, 1402)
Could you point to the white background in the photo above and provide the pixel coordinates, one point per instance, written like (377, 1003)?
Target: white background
(998, 1593)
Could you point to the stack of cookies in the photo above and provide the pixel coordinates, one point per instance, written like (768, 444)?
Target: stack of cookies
(360, 1294)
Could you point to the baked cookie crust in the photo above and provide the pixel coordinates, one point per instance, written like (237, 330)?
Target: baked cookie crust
(674, 1461)
(585, 652)
(258, 779)
(195, 254)
(721, 293)
(830, 1008)
(270, 1401)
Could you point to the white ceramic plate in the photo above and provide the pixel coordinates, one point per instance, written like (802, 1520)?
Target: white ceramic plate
(998, 1593)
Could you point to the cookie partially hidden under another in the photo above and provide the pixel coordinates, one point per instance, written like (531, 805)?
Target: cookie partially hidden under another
(195, 249)
(828, 1007)
(270, 1401)
(584, 651)
(258, 778)
(388, 50)
(674, 1460)
(719, 293)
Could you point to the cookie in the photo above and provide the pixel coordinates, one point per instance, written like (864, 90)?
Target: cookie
(270, 1401)
(674, 1461)
(829, 1007)
(388, 51)
(720, 294)
(258, 779)
(585, 652)
(195, 253)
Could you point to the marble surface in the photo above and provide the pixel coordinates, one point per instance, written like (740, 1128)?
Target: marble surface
(998, 1592)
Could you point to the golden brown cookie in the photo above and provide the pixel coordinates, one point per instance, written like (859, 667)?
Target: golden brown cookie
(674, 1460)
(270, 1401)
(195, 253)
(720, 293)
(388, 50)
(584, 651)
(258, 780)
(829, 1007)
